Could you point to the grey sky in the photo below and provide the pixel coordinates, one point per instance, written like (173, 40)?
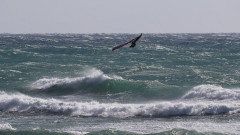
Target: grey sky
(119, 16)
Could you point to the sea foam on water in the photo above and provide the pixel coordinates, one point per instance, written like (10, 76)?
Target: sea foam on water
(89, 77)
(17, 102)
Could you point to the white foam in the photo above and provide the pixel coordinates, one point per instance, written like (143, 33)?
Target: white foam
(75, 132)
(17, 102)
(46, 83)
(6, 126)
(212, 92)
(90, 76)
(149, 126)
(158, 47)
(15, 71)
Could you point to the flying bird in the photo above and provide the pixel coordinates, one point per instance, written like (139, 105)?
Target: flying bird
(133, 43)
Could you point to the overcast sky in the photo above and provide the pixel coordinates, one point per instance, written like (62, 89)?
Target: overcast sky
(119, 16)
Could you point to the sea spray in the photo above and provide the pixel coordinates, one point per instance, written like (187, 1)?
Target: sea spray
(91, 77)
(6, 126)
(46, 79)
(89, 80)
(212, 92)
(17, 102)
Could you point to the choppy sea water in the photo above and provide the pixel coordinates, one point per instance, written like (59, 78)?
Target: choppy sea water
(75, 84)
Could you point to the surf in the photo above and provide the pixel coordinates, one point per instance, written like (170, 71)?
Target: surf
(89, 79)
(18, 102)
(212, 92)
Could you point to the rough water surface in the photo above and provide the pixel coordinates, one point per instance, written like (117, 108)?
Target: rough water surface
(74, 84)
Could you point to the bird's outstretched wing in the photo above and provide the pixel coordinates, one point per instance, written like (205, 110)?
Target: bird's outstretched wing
(133, 40)
(119, 46)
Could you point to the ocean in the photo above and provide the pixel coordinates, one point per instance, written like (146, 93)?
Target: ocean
(174, 84)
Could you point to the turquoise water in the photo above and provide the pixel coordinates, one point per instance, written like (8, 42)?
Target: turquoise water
(75, 84)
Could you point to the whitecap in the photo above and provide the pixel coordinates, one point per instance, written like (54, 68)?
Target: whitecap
(158, 47)
(15, 71)
(17, 102)
(6, 126)
(212, 92)
(91, 76)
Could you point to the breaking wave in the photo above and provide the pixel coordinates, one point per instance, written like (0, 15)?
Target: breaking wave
(92, 76)
(91, 79)
(175, 131)
(31, 132)
(6, 126)
(17, 102)
(212, 92)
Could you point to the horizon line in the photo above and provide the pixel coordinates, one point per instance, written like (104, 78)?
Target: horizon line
(124, 33)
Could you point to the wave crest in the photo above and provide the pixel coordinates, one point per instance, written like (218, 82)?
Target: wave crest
(6, 126)
(90, 77)
(212, 92)
(17, 102)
